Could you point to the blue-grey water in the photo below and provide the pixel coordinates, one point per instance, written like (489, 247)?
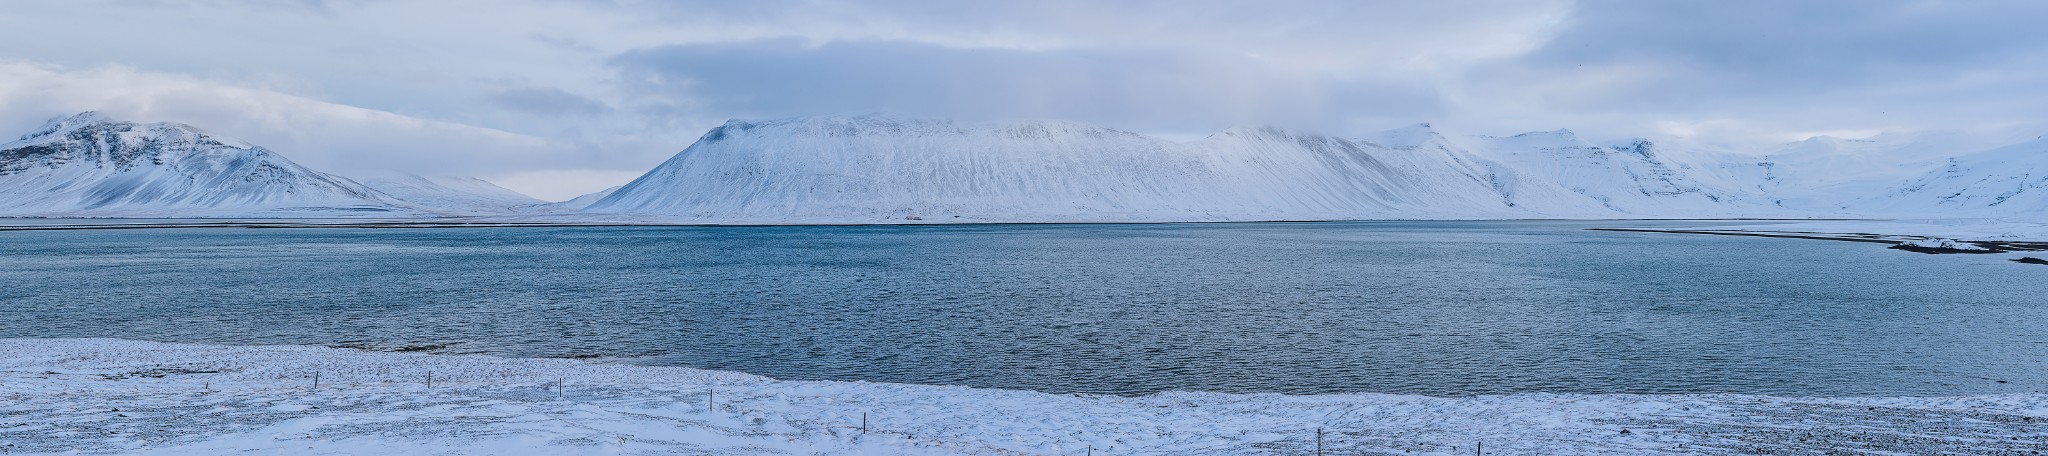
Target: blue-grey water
(1443, 308)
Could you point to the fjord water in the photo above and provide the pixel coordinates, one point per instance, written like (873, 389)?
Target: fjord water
(1441, 308)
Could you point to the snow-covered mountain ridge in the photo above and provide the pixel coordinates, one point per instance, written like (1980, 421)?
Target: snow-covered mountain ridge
(87, 164)
(891, 169)
(451, 195)
(880, 167)
(2002, 181)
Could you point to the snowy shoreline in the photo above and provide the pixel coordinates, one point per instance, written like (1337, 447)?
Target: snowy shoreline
(90, 223)
(132, 397)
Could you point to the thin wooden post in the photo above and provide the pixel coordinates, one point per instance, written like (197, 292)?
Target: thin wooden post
(316, 379)
(1319, 441)
(430, 379)
(711, 400)
(863, 422)
(1479, 449)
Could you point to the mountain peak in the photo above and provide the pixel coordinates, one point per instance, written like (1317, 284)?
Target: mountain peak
(1407, 137)
(1639, 146)
(1561, 134)
(447, 194)
(1558, 133)
(878, 125)
(111, 129)
(63, 124)
(83, 118)
(1544, 139)
(88, 163)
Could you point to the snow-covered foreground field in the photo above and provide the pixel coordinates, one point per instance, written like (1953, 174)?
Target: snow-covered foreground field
(116, 396)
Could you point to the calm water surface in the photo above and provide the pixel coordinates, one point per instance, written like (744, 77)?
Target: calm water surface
(1444, 308)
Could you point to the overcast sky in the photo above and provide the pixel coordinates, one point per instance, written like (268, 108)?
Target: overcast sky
(557, 98)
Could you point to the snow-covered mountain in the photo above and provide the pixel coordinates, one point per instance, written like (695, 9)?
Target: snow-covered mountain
(1822, 175)
(889, 169)
(2009, 181)
(90, 165)
(875, 168)
(453, 195)
(881, 168)
(1559, 173)
(581, 201)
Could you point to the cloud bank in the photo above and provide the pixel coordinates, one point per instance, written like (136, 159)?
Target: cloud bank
(557, 98)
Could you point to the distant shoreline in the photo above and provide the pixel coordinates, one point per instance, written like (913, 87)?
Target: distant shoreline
(493, 223)
(2009, 246)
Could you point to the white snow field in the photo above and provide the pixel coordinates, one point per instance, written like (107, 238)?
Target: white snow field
(130, 397)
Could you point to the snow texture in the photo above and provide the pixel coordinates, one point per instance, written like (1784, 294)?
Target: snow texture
(128, 397)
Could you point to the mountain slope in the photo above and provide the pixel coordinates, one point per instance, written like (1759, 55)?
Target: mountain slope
(581, 201)
(887, 169)
(1558, 173)
(1823, 175)
(878, 168)
(453, 195)
(1274, 173)
(2010, 181)
(89, 165)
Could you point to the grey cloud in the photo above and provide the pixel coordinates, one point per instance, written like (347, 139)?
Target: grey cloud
(1773, 68)
(1822, 38)
(1741, 50)
(620, 85)
(548, 101)
(1129, 88)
